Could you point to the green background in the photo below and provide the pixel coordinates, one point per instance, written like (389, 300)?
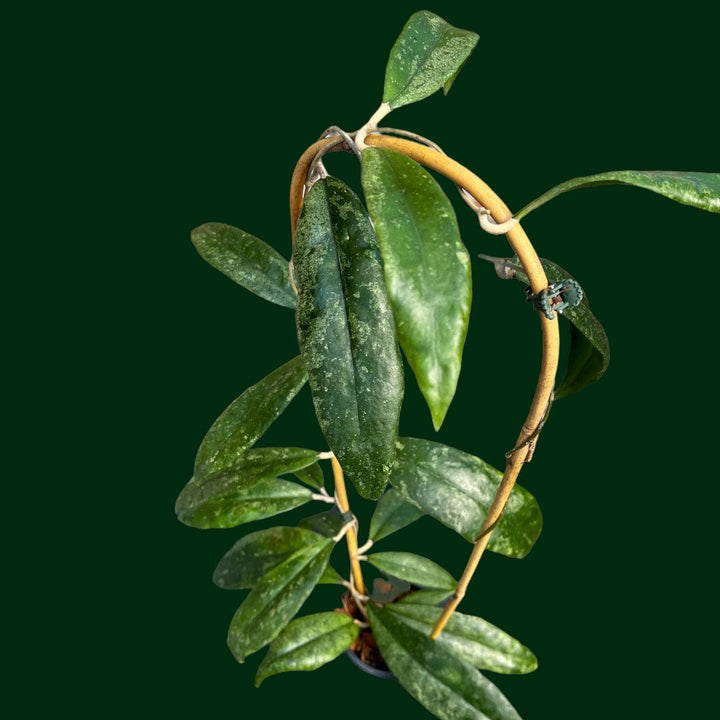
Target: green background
(129, 124)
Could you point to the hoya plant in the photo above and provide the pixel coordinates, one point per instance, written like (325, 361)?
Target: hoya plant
(372, 279)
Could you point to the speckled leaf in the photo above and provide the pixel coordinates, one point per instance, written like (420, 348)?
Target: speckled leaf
(471, 638)
(330, 576)
(699, 189)
(414, 568)
(248, 417)
(426, 57)
(273, 602)
(589, 347)
(248, 261)
(312, 475)
(308, 643)
(392, 513)
(222, 500)
(457, 489)
(327, 523)
(445, 684)
(427, 270)
(254, 555)
(438, 598)
(346, 333)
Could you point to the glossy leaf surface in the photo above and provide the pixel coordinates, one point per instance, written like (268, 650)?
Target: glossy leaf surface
(256, 554)
(273, 602)
(312, 475)
(471, 638)
(589, 354)
(426, 57)
(457, 489)
(248, 261)
(416, 569)
(445, 684)
(308, 643)
(392, 513)
(327, 523)
(248, 417)
(427, 270)
(346, 332)
(437, 598)
(701, 190)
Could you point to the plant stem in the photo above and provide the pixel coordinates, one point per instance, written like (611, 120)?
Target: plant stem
(351, 536)
(530, 262)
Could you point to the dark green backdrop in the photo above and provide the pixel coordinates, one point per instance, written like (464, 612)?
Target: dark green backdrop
(130, 125)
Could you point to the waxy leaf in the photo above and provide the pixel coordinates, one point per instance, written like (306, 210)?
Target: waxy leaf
(248, 417)
(254, 555)
(416, 569)
(457, 489)
(392, 513)
(223, 500)
(427, 56)
(312, 475)
(248, 261)
(699, 189)
(328, 523)
(308, 643)
(471, 638)
(427, 270)
(273, 602)
(589, 347)
(445, 684)
(330, 576)
(346, 333)
(437, 598)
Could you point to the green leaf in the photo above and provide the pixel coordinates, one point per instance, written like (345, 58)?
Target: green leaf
(392, 513)
(414, 568)
(445, 684)
(312, 475)
(223, 500)
(589, 347)
(346, 332)
(327, 523)
(471, 638)
(699, 189)
(426, 57)
(457, 489)
(427, 270)
(248, 261)
(254, 555)
(248, 417)
(438, 598)
(308, 643)
(330, 576)
(273, 602)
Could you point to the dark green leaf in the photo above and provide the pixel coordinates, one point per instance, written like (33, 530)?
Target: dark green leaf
(392, 513)
(437, 598)
(427, 270)
(248, 261)
(254, 555)
(308, 643)
(330, 576)
(589, 347)
(414, 568)
(346, 332)
(471, 638)
(312, 476)
(426, 56)
(457, 489)
(701, 190)
(328, 523)
(276, 598)
(248, 417)
(222, 500)
(445, 684)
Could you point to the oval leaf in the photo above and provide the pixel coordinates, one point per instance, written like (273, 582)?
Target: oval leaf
(248, 417)
(457, 489)
(328, 523)
(427, 270)
(224, 500)
(699, 189)
(347, 334)
(471, 638)
(273, 602)
(392, 513)
(437, 598)
(308, 643)
(427, 56)
(445, 684)
(254, 555)
(248, 261)
(415, 569)
(312, 475)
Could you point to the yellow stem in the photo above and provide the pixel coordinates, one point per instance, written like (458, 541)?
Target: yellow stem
(351, 536)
